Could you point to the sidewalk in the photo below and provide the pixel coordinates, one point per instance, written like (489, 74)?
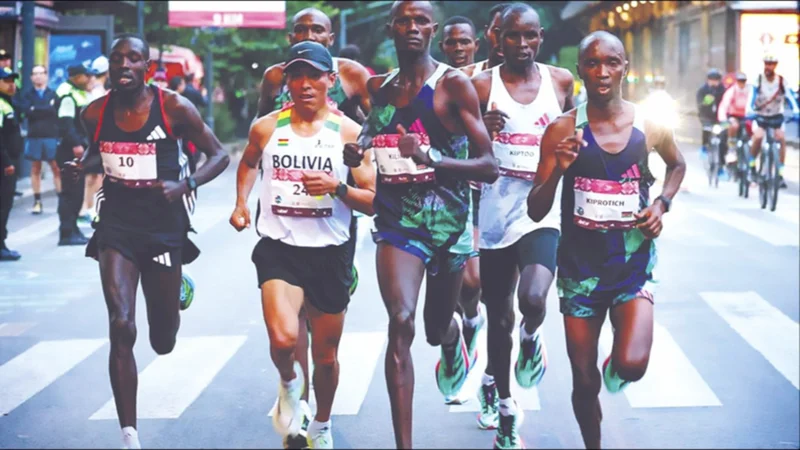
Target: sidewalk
(24, 184)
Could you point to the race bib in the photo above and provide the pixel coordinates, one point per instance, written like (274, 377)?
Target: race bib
(395, 169)
(133, 164)
(605, 205)
(289, 196)
(518, 154)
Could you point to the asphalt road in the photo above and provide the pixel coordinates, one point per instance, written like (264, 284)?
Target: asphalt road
(724, 373)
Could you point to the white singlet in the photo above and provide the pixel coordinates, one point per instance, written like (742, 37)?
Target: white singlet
(504, 204)
(286, 212)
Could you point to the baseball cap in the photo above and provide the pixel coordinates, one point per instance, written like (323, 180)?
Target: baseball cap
(4, 54)
(312, 53)
(77, 69)
(6, 73)
(100, 65)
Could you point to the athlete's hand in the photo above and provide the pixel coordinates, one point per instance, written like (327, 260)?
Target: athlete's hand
(650, 220)
(9, 170)
(495, 120)
(77, 151)
(72, 171)
(240, 219)
(567, 150)
(319, 183)
(409, 147)
(353, 155)
(172, 190)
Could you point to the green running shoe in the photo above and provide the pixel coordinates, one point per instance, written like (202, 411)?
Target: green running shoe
(488, 418)
(613, 382)
(354, 285)
(451, 375)
(300, 440)
(187, 291)
(531, 360)
(507, 435)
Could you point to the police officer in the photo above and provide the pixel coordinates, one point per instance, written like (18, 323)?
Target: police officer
(10, 149)
(72, 97)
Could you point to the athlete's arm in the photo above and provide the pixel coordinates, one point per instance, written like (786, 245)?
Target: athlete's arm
(462, 101)
(89, 118)
(750, 110)
(355, 76)
(566, 83)
(260, 133)
(722, 111)
(361, 197)
(789, 94)
(183, 116)
(559, 137)
(270, 88)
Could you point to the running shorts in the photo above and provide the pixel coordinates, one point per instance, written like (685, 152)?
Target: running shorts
(146, 250)
(435, 259)
(596, 304)
(324, 273)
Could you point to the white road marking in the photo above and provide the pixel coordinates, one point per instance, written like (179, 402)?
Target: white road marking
(33, 370)
(763, 326)
(766, 231)
(36, 230)
(170, 384)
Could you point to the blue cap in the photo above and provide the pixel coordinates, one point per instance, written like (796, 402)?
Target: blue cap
(6, 73)
(77, 69)
(312, 53)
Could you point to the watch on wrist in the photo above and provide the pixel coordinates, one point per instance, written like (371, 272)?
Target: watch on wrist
(667, 202)
(341, 190)
(435, 156)
(192, 183)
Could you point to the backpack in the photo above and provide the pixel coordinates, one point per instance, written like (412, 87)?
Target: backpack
(781, 89)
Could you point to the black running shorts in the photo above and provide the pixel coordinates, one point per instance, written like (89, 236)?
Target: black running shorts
(324, 273)
(537, 247)
(146, 250)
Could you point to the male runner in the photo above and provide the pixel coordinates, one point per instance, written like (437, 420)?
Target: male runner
(766, 105)
(459, 45)
(424, 123)
(606, 253)
(520, 97)
(305, 211)
(349, 94)
(492, 34)
(143, 225)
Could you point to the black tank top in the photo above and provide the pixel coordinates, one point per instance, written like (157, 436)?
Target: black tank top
(133, 162)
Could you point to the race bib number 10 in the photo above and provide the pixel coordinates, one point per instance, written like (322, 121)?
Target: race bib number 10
(290, 198)
(605, 205)
(394, 168)
(133, 164)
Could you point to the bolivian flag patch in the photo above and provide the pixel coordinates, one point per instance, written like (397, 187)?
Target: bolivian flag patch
(282, 142)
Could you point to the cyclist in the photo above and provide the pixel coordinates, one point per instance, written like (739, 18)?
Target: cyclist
(733, 107)
(765, 104)
(709, 97)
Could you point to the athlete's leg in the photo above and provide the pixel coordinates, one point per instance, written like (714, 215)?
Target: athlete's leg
(281, 303)
(758, 136)
(301, 350)
(400, 277)
(534, 284)
(470, 289)
(442, 292)
(93, 183)
(633, 338)
(324, 348)
(120, 278)
(583, 334)
(780, 137)
(162, 291)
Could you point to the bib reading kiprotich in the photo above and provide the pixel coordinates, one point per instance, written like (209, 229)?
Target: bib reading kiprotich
(605, 205)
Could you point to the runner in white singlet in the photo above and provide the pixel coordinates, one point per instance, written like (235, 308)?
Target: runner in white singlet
(304, 218)
(522, 97)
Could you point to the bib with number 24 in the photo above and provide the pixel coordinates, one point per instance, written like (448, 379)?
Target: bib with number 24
(289, 196)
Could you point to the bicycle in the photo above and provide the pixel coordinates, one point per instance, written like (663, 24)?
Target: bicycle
(742, 171)
(712, 161)
(767, 177)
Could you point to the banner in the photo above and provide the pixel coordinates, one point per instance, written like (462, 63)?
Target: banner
(229, 14)
(69, 49)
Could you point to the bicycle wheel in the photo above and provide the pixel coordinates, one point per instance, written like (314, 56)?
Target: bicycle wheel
(744, 171)
(763, 178)
(775, 184)
(713, 162)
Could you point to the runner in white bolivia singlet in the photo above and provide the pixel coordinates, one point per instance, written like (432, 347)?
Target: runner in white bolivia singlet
(305, 210)
(522, 97)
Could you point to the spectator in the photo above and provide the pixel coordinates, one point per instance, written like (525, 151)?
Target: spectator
(5, 60)
(192, 93)
(177, 84)
(160, 78)
(10, 148)
(39, 106)
(100, 83)
(353, 52)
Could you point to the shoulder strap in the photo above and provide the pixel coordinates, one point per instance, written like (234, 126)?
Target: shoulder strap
(160, 100)
(581, 118)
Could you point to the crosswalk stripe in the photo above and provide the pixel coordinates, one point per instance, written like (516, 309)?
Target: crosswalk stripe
(171, 383)
(33, 232)
(33, 370)
(766, 231)
(358, 356)
(15, 328)
(763, 326)
(527, 399)
(671, 380)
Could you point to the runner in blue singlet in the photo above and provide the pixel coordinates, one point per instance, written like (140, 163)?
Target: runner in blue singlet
(606, 253)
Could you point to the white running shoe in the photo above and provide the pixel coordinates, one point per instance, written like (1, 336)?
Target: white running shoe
(288, 417)
(130, 438)
(322, 438)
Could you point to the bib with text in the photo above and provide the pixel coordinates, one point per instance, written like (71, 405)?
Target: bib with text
(394, 168)
(517, 154)
(289, 196)
(133, 164)
(605, 205)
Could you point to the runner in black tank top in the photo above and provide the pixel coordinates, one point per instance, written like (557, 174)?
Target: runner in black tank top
(143, 208)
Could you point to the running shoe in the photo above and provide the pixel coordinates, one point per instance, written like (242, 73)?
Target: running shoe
(507, 435)
(187, 290)
(354, 285)
(471, 336)
(37, 207)
(321, 439)
(531, 360)
(451, 375)
(490, 403)
(288, 416)
(613, 382)
(300, 440)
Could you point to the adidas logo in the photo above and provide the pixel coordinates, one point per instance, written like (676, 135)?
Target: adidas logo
(543, 121)
(157, 134)
(164, 259)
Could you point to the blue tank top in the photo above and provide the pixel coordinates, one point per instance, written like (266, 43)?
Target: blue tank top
(414, 201)
(600, 248)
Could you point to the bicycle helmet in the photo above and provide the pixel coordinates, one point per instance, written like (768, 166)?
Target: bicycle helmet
(741, 76)
(714, 74)
(770, 58)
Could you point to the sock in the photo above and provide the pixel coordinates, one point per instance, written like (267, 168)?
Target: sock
(487, 379)
(315, 427)
(37, 197)
(523, 334)
(130, 438)
(508, 407)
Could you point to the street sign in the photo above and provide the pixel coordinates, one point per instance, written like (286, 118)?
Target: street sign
(228, 14)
